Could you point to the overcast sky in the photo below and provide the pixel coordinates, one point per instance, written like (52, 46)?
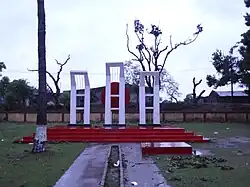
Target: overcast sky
(93, 32)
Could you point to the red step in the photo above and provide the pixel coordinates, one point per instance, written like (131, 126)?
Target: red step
(150, 137)
(121, 133)
(107, 139)
(134, 134)
(110, 140)
(173, 148)
(137, 130)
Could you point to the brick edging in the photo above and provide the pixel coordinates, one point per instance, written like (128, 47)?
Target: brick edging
(105, 168)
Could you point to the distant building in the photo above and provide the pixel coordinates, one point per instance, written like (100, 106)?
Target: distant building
(225, 97)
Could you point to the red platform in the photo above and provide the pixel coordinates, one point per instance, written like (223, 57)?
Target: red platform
(117, 135)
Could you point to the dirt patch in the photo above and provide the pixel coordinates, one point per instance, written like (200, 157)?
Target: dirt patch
(113, 172)
(231, 142)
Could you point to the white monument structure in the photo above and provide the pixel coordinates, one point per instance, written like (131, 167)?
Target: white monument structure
(155, 95)
(74, 95)
(121, 95)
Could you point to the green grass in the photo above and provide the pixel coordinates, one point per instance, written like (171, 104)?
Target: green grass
(210, 170)
(21, 168)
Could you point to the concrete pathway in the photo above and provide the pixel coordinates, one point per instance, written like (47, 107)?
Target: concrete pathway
(87, 170)
(140, 170)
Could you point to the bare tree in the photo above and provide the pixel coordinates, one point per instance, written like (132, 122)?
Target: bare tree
(148, 57)
(195, 98)
(56, 80)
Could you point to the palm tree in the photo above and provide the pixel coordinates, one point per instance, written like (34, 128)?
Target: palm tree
(41, 123)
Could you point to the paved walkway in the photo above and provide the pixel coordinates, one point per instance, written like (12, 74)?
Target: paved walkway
(87, 170)
(140, 170)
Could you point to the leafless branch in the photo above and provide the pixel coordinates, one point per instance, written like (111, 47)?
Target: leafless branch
(164, 49)
(131, 52)
(61, 67)
(187, 42)
(148, 59)
(50, 75)
(49, 87)
(55, 80)
(196, 99)
(158, 43)
(196, 84)
(202, 92)
(170, 40)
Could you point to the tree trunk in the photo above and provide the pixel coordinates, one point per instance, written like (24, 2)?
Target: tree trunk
(248, 92)
(57, 95)
(232, 91)
(41, 129)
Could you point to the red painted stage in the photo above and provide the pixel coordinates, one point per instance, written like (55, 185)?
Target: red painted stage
(154, 140)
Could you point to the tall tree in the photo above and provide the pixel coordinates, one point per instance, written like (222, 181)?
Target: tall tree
(168, 86)
(227, 67)
(148, 56)
(2, 67)
(244, 50)
(41, 129)
(16, 93)
(56, 80)
(5, 81)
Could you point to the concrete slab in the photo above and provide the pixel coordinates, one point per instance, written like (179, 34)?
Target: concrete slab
(165, 144)
(141, 170)
(87, 170)
(178, 148)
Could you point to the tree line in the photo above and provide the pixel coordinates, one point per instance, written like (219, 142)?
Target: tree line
(233, 67)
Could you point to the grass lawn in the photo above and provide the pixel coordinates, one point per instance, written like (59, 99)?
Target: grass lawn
(228, 167)
(20, 168)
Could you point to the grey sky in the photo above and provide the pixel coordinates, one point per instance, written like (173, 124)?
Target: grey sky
(93, 32)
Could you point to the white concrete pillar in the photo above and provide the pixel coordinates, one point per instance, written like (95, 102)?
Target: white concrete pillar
(156, 101)
(86, 117)
(142, 103)
(108, 113)
(121, 95)
(74, 95)
(72, 99)
(155, 95)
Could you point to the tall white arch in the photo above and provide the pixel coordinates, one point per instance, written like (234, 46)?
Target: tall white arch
(121, 95)
(74, 95)
(155, 95)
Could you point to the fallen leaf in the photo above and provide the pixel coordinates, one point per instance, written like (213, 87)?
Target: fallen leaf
(134, 183)
(117, 163)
